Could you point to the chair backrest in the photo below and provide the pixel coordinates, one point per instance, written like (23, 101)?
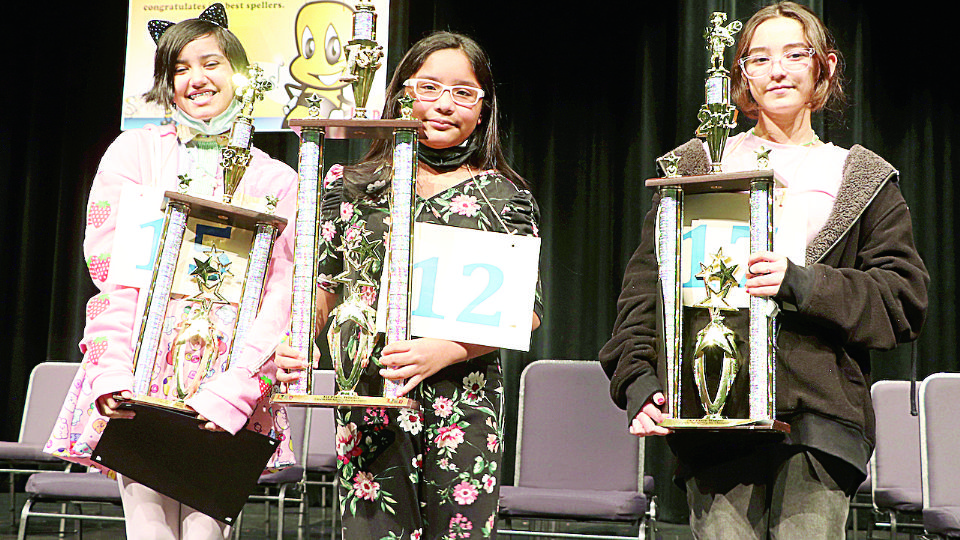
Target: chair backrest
(570, 433)
(940, 439)
(321, 419)
(895, 466)
(323, 430)
(46, 391)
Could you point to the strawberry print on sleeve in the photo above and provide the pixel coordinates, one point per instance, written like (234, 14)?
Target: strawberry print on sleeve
(97, 348)
(97, 305)
(99, 266)
(97, 213)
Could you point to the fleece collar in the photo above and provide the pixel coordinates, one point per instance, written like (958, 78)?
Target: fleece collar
(864, 173)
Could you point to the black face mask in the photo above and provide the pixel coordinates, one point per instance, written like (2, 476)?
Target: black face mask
(448, 159)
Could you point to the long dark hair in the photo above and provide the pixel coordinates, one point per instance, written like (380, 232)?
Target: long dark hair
(174, 40)
(376, 164)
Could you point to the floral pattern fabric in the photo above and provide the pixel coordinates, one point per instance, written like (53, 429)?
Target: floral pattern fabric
(434, 473)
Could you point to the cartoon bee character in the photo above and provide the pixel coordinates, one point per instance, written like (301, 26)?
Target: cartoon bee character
(322, 29)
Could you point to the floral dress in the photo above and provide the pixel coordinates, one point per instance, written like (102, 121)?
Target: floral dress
(430, 474)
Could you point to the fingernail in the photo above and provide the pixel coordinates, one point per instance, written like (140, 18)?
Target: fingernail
(660, 400)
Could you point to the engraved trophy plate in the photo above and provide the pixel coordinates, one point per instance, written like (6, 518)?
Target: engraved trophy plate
(363, 60)
(211, 329)
(741, 362)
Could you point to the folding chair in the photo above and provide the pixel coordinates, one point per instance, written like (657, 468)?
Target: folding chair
(277, 485)
(46, 390)
(575, 459)
(939, 444)
(322, 450)
(895, 466)
(68, 490)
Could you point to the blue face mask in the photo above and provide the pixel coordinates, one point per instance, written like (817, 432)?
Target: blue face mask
(215, 126)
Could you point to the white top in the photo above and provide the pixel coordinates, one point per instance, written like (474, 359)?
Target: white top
(811, 174)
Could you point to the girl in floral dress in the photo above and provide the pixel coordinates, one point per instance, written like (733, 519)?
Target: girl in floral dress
(430, 474)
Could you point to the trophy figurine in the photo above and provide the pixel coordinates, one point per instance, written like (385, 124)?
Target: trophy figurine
(196, 337)
(350, 361)
(717, 116)
(364, 56)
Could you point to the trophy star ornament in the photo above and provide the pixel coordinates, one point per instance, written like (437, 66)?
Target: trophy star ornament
(715, 342)
(763, 157)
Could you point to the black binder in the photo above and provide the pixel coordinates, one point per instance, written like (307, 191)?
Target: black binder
(167, 451)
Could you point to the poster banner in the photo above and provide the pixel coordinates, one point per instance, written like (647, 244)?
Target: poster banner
(301, 46)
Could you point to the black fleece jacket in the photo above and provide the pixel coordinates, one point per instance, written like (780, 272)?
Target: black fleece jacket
(864, 287)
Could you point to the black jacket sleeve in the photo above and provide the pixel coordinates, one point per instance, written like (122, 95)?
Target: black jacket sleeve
(629, 358)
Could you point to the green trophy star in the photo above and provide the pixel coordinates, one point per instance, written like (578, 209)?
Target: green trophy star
(763, 158)
(210, 274)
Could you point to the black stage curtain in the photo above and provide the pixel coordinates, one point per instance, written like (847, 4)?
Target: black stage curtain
(590, 94)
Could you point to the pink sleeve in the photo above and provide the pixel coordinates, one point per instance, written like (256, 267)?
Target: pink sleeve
(231, 397)
(106, 343)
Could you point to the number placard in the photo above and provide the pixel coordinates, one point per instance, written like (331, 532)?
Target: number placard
(717, 221)
(472, 286)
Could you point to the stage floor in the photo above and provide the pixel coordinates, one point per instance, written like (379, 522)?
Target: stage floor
(252, 524)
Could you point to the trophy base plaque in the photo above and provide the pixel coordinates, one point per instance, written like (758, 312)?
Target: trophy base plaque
(726, 424)
(309, 400)
(168, 404)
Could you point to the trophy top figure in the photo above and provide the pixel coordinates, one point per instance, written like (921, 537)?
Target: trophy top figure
(719, 37)
(251, 88)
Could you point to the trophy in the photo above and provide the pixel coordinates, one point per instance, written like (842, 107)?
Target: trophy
(741, 362)
(364, 56)
(209, 320)
(353, 313)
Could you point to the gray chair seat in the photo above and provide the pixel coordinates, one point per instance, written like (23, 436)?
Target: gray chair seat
(88, 486)
(15, 451)
(945, 519)
(564, 503)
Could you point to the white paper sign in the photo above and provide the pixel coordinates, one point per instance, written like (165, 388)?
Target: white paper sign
(472, 286)
(728, 229)
(138, 234)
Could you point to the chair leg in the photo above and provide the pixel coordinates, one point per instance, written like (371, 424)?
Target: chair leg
(266, 515)
(63, 521)
(303, 519)
(281, 510)
(24, 516)
(13, 499)
(237, 525)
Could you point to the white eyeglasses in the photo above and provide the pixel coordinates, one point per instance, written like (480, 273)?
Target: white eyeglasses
(759, 65)
(429, 90)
